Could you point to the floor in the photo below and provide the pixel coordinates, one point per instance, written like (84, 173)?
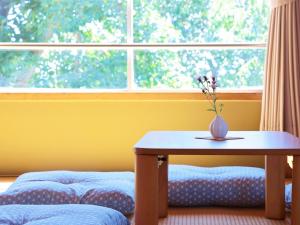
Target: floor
(219, 216)
(5, 182)
(203, 216)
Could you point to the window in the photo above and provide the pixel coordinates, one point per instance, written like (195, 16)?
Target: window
(132, 45)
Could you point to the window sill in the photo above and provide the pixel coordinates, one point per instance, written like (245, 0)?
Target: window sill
(124, 95)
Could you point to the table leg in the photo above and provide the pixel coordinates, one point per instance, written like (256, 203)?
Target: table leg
(296, 191)
(163, 187)
(275, 175)
(146, 190)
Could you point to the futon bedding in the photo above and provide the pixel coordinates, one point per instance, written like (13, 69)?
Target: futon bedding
(288, 196)
(109, 189)
(188, 186)
(216, 186)
(60, 215)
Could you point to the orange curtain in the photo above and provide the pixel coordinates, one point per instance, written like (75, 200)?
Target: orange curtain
(281, 96)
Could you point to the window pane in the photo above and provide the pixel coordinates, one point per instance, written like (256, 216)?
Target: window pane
(63, 69)
(166, 69)
(63, 21)
(200, 20)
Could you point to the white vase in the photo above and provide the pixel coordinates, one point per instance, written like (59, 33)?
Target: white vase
(218, 127)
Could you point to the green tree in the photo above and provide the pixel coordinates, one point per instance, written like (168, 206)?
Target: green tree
(200, 21)
(155, 21)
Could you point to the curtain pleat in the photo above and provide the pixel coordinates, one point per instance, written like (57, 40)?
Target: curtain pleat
(277, 3)
(281, 96)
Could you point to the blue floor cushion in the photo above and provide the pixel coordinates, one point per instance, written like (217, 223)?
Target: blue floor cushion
(60, 215)
(288, 196)
(109, 189)
(216, 186)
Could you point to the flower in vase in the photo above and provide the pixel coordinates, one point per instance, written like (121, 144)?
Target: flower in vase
(209, 87)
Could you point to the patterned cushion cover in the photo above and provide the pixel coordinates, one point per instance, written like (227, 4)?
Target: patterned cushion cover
(218, 186)
(109, 189)
(39, 193)
(60, 215)
(288, 196)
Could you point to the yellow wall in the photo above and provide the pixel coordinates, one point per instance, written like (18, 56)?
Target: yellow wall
(99, 134)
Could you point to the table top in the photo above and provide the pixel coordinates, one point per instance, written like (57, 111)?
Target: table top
(186, 143)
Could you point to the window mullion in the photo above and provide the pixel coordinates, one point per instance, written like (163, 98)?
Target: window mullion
(130, 51)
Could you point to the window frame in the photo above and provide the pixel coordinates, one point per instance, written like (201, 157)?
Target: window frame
(130, 91)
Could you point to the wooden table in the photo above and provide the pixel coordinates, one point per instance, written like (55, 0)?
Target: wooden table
(152, 153)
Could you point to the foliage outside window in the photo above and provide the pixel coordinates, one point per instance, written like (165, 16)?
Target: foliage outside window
(132, 45)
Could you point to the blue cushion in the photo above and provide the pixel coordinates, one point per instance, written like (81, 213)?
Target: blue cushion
(217, 186)
(60, 215)
(288, 196)
(110, 189)
(39, 193)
